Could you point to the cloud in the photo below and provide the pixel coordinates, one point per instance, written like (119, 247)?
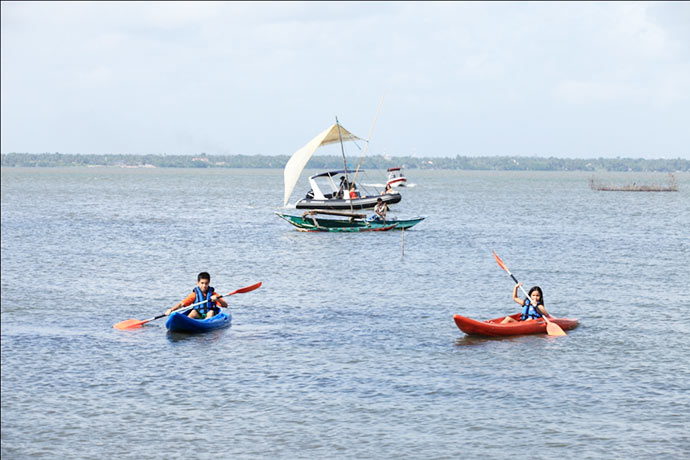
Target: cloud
(178, 76)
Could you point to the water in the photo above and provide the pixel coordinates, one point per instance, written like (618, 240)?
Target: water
(349, 349)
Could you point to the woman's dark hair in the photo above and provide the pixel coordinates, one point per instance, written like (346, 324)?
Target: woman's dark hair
(541, 294)
(206, 276)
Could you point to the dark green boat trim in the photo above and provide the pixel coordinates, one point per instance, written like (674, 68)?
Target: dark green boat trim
(352, 224)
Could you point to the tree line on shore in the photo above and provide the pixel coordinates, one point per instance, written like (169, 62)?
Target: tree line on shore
(327, 162)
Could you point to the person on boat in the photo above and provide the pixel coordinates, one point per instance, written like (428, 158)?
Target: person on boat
(380, 211)
(202, 292)
(532, 307)
(353, 193)
(342, 187)
(388, 190)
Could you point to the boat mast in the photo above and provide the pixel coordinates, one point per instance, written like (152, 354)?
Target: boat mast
(342, 149)
(366, 146)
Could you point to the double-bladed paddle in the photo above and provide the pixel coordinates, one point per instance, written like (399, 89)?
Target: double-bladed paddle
(132, 323)
(551, 328)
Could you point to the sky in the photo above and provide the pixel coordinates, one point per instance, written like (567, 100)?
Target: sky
(426, 79)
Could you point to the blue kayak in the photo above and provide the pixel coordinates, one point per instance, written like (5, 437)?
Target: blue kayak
(180, 322)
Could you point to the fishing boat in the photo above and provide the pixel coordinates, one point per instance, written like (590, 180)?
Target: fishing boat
(396, 177)
(181, 322)
(494, 328)
(353, 222)
(324, 192)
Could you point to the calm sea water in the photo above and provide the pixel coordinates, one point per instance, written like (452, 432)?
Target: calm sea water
(349, 349)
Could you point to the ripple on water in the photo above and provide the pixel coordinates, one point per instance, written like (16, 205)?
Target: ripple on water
(349, 349)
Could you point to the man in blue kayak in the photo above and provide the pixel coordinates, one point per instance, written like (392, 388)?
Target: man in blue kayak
(204, 295)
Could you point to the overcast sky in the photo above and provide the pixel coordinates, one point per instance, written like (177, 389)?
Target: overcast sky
(569, 79)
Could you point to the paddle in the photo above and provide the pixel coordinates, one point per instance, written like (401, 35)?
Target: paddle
(551, 328)
(132, 323)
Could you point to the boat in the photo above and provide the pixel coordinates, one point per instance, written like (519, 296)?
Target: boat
(336, 199)
(494, 328)
(396, 177)
(180, 322)
(334, 196)
(353, 222)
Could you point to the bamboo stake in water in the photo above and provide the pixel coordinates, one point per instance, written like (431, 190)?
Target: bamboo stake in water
(403, 242)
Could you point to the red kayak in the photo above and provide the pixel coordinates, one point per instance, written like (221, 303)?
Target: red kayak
(494, 328)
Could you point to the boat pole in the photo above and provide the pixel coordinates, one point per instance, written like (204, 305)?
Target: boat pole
(342, 150)
(403, 241)
(366, 146)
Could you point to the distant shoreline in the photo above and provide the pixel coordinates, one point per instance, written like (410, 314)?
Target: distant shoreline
(498, 163)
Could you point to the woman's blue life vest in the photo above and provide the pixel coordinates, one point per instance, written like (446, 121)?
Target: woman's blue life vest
(208, 305)
(529, 311)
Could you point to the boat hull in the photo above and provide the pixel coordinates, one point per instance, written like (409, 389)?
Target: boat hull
(366, 202)
(494, 328)
(352, 225)
(399, 182)
(348, 229)
(180, 322)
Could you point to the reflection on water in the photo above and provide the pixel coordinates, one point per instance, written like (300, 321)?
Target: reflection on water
(197, 339)
(466, 340)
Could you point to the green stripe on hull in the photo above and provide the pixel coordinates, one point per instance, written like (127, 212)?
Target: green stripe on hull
(345, 225)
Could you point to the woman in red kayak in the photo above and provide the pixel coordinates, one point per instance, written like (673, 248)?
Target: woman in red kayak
(533, 307)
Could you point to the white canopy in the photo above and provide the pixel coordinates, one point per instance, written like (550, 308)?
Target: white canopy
(300, 158)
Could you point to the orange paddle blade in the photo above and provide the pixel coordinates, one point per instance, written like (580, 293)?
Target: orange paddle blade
(500, 262)
(247, 289)
(130, 323)
(553, 328)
